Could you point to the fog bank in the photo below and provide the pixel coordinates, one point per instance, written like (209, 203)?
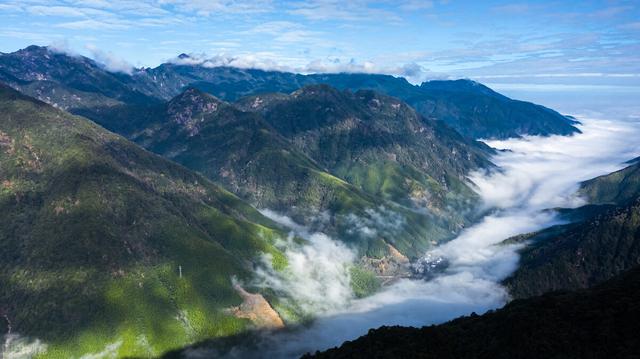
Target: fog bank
(537, 174)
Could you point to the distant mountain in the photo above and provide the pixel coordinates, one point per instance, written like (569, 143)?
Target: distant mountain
(476, 111)
(78, 85)
(105, 246)
(596, 323)
(385, 174)
(81, 86)
(469, 107)
(604, 241)
(376, 142)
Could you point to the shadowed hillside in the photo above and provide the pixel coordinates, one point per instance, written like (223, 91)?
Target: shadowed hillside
(601, 322)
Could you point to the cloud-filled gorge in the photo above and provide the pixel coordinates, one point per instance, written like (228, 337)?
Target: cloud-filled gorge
(537, 174)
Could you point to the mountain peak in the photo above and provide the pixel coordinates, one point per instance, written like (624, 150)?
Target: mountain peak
(191, 104)
(193, 93)
(183, 56)
(34, 48)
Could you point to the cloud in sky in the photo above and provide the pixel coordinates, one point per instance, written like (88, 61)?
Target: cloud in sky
(458, 38)
(215, 7)
(269, 61)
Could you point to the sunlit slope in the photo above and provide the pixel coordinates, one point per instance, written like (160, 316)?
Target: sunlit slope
(376, 142)
(382, 175)
(95, 231)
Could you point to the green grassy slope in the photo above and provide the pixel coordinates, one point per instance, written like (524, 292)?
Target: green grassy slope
(93, 230)
(247, 155)
(401, 175)
(379, 144)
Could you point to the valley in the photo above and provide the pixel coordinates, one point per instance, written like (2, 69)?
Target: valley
(464, 275)
(188, 210)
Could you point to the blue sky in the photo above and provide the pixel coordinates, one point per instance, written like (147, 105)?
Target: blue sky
(568, 43)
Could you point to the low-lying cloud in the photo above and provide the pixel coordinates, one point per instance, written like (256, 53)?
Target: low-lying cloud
(412, 71)
(317, 278)
(374, 221)
(537, 173)
(16, 347)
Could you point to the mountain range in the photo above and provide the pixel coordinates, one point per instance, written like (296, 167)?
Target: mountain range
(368, 160)
(576, 291)
(82, 86)
(129, 200)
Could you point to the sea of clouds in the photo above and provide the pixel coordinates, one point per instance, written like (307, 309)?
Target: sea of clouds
(537, 174)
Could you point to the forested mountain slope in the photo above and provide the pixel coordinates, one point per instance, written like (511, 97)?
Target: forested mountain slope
(105, 244)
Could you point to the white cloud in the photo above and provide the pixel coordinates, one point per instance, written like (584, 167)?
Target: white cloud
(110, 61)
(414, 5)
(62, 47)
(54, 11)
(17, 347)
(538, 173)
(268, 61)
(287, 32)
(95, 25)
(413, 72)
(356, 10)
(374, 221)
(213, 7)
(316, 279)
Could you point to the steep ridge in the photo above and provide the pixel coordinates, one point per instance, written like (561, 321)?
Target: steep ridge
(615, 188)
(476, 111)
(383, 173)
(118, 101)
(603, 241)
(601, 322)
(78, 85)
(579, 255)
(377, 143)
(105, 246)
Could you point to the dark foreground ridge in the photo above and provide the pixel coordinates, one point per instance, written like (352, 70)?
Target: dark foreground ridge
(601, 322)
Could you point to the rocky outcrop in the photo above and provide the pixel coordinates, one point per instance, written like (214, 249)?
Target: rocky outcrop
(255, 308)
